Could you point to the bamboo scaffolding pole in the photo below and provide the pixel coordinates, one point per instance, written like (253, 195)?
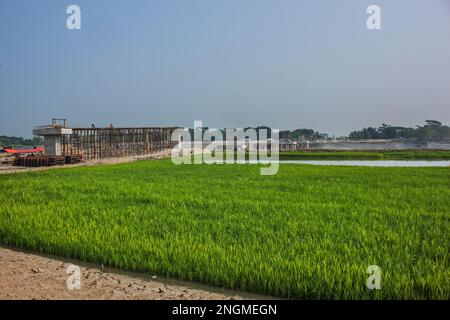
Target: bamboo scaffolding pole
(93, 143)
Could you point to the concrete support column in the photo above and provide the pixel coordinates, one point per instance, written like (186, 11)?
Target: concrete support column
(52, 139)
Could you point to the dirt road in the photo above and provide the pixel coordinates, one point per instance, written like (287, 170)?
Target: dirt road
(94, 162)
(27, 276)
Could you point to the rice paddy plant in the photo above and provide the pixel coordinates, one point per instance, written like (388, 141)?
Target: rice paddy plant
(307, 232)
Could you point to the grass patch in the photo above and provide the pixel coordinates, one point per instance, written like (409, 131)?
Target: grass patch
(307, 232)
(367, 155)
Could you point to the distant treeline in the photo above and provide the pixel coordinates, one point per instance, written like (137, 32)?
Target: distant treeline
(432, 130)
(303, 134)
(266, 131)
(6, 141)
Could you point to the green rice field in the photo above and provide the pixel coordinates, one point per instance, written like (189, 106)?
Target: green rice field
(307, 232)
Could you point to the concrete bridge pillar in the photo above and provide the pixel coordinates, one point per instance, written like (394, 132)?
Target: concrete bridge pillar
(52, 138)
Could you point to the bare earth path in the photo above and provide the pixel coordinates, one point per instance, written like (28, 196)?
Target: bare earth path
(94, 162)
(29, 276)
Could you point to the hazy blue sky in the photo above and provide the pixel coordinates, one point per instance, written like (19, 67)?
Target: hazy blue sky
(230, 63)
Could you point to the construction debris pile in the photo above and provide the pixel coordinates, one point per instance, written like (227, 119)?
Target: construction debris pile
(46, 161)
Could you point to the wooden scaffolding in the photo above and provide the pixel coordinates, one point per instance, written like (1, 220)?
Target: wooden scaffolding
(95, 143)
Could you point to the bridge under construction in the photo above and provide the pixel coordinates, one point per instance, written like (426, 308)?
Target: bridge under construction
(65, 145)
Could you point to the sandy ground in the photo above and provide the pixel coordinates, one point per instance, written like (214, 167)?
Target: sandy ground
(28, 276)
(25, 275)
(157, 155)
